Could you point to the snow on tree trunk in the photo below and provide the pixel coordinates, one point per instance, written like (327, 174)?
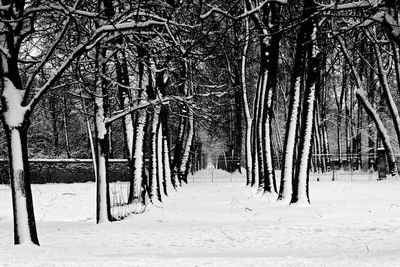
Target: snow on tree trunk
(103, 211)
(285, 191)
(302, 46)
(363, 98)
(255, 163)
(136, 186)
(184, 168)
(300, 183)
(169, 182)
(15, 125)
(177, 161)
(103, 196)
(138, 159)
(164, 181)
(260, 130)
(272, 62)
(269, 182)
(154, 187)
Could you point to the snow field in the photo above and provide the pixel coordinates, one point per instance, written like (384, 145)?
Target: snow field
(220, 223)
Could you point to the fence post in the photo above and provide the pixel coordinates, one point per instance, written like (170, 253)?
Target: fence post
(381, 163)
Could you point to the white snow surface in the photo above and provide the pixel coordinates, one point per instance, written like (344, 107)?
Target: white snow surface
(351, 222)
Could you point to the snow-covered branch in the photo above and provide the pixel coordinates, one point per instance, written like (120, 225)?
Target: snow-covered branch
(67, 10)
(352, 5)
(244, 14)
(137, 107)
(217, 94)
(98, 35)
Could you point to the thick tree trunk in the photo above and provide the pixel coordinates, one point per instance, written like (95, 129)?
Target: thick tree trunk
(16, 126)
(272, 61)
(301, 179)
(169, 183)
(154, 174)
(103, 210)
(24, 218)
(136, 196)
(178, 150)
(303, 42)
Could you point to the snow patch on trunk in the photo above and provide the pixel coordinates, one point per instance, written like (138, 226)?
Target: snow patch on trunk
(13, 97)
(20, 203)
(102, 187)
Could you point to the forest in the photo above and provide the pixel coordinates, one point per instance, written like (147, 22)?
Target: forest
(150, 91)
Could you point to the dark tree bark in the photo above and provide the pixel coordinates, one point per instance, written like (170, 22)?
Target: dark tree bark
(302, 47)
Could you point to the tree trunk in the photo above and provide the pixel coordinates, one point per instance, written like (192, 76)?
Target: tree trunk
(16, 126)
(301, 180)
(136, 185)
(169, 183)
(272, 61)
(303, 42)
(103, 209)
(54, 124)
(154, 174)
(65, 119)
(24, 218)
(186, 152)
(246, 108)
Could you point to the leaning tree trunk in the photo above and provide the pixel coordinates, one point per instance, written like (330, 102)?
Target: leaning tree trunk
(387, 93)
(363, 99)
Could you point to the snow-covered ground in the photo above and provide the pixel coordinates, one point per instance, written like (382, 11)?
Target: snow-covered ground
(351, 222)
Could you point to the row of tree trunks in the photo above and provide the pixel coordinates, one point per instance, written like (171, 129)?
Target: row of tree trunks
(294, 186)
(262, 171)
